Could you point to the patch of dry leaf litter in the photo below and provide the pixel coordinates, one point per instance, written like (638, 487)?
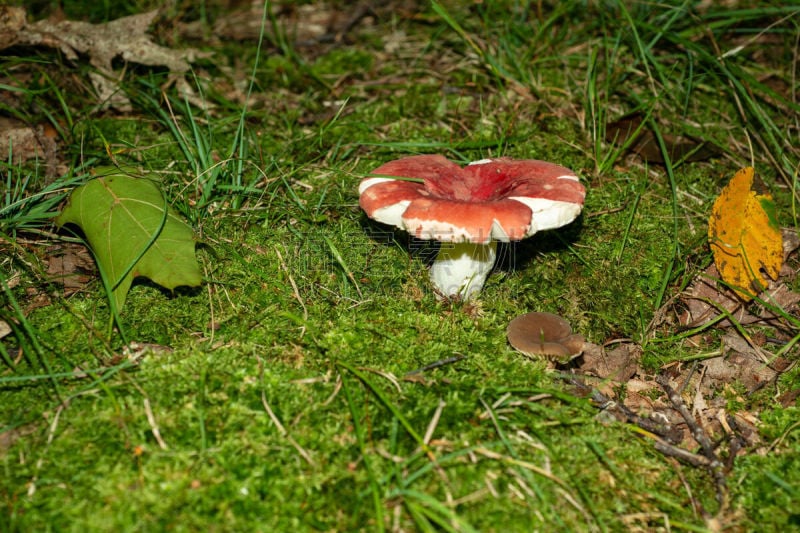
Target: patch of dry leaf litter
(30, 142)
(70, 266)
(303, 26)
(683, 407)
(125, 38)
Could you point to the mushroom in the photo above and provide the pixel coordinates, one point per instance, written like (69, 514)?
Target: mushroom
(544, 334)
(469, 209)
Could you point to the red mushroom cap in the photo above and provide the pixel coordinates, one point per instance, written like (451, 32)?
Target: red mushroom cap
(502, 199)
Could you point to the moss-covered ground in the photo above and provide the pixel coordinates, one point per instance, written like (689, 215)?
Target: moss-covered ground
(285, 393)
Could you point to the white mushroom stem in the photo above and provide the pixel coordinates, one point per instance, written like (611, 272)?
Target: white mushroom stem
(460, 269)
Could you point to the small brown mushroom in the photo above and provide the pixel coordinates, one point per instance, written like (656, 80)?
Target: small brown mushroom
(544, 334)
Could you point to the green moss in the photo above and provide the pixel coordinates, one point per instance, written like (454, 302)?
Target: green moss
(769, 487)
(285, 394)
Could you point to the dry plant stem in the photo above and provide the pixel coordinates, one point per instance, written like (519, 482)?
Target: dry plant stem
(295, 290)
(282, 430)
(697, 507)
(51, 432)
(714, 465)
(434, 422)
(212, 319)
(436, 466)
(151, 419)
(275, 420)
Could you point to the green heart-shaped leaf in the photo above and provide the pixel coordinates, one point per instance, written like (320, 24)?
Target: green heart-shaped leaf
(132, 232)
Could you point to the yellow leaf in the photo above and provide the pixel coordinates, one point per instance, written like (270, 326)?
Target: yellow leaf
(744, 236)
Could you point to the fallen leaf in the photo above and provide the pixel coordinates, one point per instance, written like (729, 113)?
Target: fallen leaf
(619, 364)
(742, 363)
(302, 25)
(704, 299)
(124, 220)
(124, 38)
(70, 265)
(645, 142)
(12, 20)
(789, 398)
(26, 142)
(703, 302)
(744, 236)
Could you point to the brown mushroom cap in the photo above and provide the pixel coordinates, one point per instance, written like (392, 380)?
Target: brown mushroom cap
(544, 334)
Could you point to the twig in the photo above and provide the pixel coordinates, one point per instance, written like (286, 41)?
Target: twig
(603, 402)
(434, 422)
(282, 430)
(336, 388)
(436, 364)
(151, 419)
(681, 454)
(654, 431)
(736, 443)
(51, 432)
(714, 465)
(388, 376)
(698, 432)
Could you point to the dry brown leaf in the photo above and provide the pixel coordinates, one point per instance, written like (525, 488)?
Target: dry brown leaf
(618, 364)
(29, 142)
(302, 25)
(699, 309)
(789, 398)
(645, 145)
(124, 38)
(70, 265)
(737, 367)
(12, 20)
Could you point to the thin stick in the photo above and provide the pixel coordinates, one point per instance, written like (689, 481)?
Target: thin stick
(282, 430)
(698, 432)
(212, 320)
(51, 432)
(436, 364)
(275, 420)
(714, 465)
(648, 424)
(153, 426)
(434, 422)
(681, 454)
